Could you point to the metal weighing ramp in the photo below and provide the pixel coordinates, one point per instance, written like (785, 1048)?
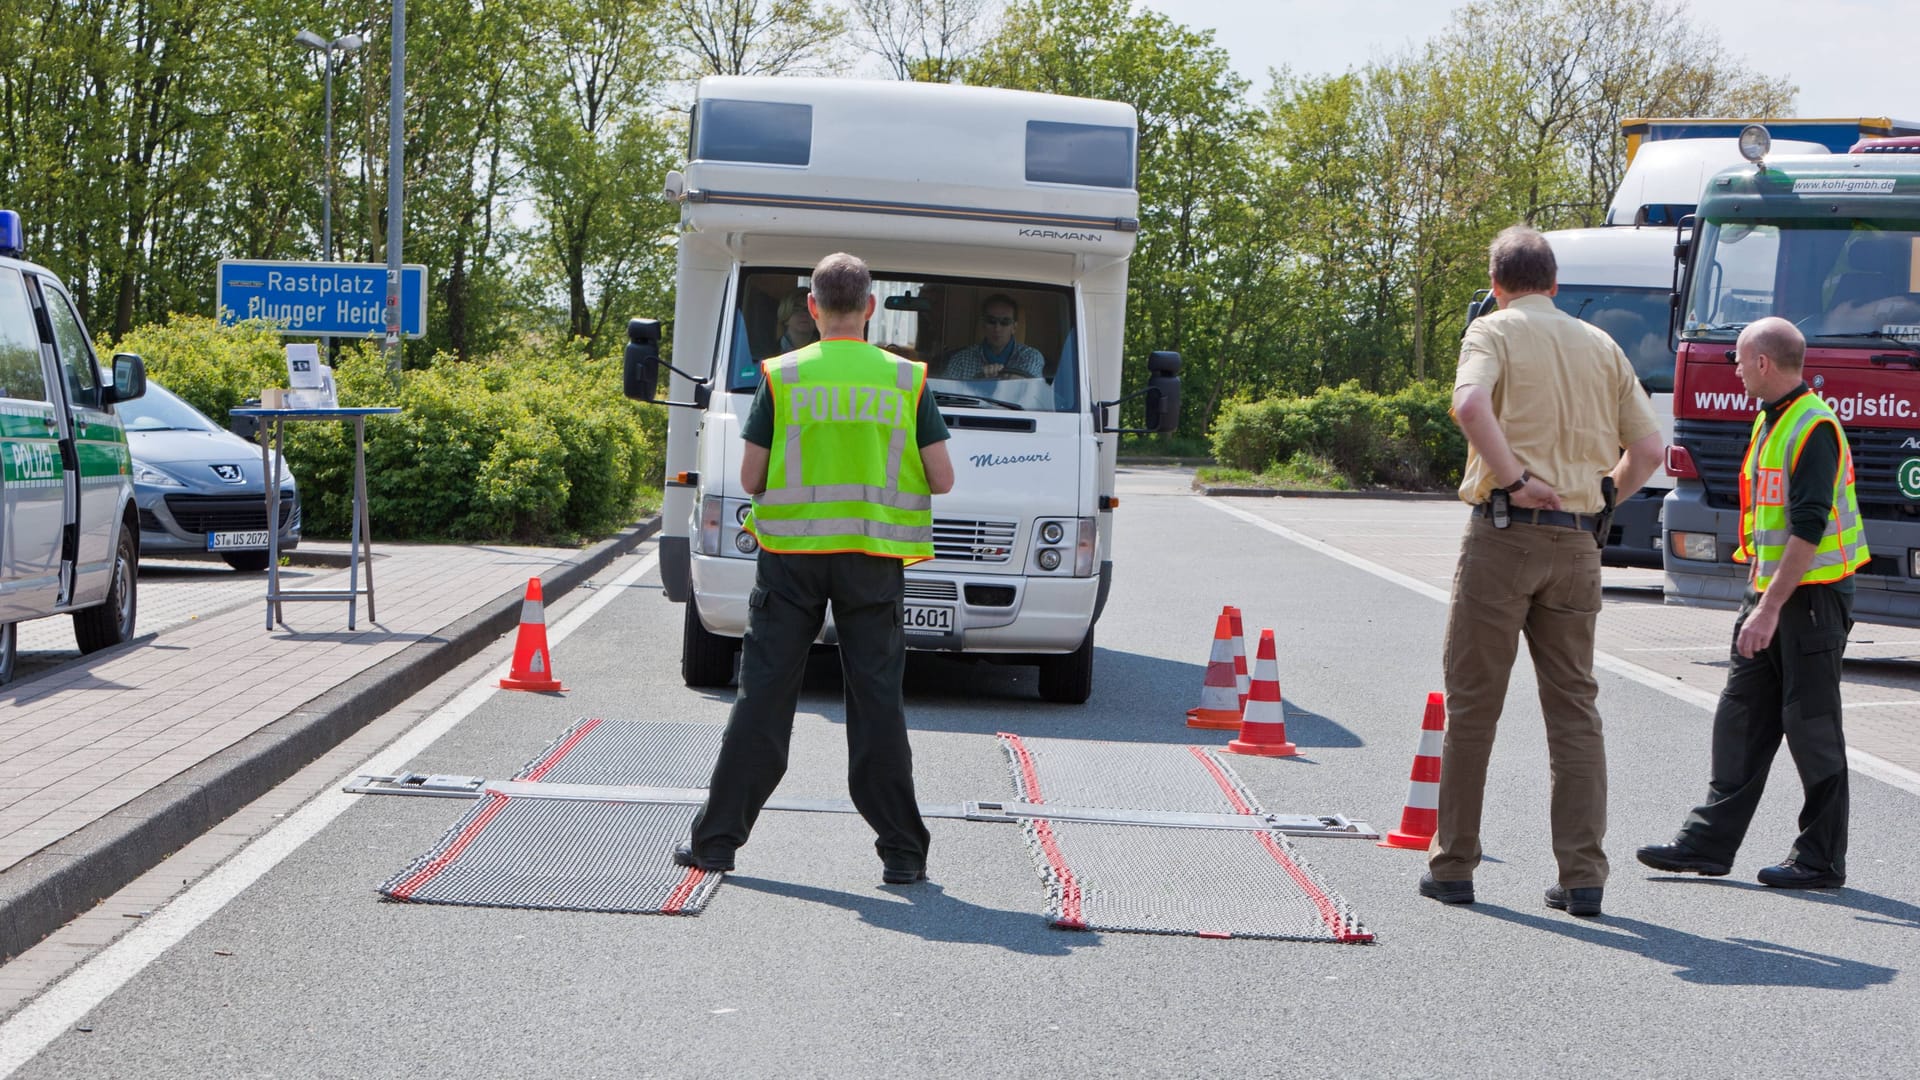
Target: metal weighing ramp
(559, 855)
(1128, 836)
(1152, 879)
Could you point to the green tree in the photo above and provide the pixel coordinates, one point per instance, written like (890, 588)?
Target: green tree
(1193, 164)
(596, 150)
(757, 37)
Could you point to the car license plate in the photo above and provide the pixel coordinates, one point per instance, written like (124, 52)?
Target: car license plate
(937, 619)
(236, 541)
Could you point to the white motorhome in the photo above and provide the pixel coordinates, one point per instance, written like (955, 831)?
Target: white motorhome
(957, 198)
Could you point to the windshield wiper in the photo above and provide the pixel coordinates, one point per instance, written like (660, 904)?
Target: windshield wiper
(948, 397)
(1716, 328)
(1904, 341)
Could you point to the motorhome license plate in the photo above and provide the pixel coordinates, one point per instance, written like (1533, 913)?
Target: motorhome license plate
(236, 541)
(929, 618)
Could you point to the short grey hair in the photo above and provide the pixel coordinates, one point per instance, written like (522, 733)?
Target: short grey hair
(1778, 340)
(841, 284)
(1520, 260)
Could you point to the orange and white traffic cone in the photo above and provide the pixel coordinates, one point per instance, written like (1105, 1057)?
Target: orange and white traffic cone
(532, 663)
(1239, 657)
(1263, 731)
(1219, 693)
(1421, 818)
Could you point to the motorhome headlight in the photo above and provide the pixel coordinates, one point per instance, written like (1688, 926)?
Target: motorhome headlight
(710, 514)
(1052, 532)
(1085, 547)
(1049, 558)
(745, 544)
(1755, 142)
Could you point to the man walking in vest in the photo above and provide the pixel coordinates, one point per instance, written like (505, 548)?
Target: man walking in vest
(1801, 535)
(844, 453)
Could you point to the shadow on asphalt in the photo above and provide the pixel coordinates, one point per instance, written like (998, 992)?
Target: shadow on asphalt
(1708, 961)
(932, 915)
(1135, 699)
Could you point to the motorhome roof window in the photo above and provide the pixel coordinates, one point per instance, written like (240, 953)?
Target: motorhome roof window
(761, 132)
(1095, 155)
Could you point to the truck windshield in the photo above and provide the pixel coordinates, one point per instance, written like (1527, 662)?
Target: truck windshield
(1635, 318)
(1832, 279)
(987, 344)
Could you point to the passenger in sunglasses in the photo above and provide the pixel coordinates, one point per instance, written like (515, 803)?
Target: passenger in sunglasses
(997, 355)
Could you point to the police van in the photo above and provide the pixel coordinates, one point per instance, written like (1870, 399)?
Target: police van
(998, 225)
(69, 533)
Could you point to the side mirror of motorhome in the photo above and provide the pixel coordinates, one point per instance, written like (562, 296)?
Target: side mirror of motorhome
(1163, 392)
(642, 370)
(1162, 396)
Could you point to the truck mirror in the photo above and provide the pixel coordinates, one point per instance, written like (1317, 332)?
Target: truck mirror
(641, 374)
(1163, 392)
(129, 377)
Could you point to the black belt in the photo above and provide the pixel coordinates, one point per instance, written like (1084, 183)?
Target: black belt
(1520, 515)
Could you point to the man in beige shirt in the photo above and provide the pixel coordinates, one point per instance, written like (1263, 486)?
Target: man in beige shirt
(1547, 404)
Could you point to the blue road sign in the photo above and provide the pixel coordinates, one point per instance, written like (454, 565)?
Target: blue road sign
(309, 299)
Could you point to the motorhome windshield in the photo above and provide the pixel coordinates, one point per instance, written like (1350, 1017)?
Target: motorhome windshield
(1834, 279)
(987, 344)
(1636, 318)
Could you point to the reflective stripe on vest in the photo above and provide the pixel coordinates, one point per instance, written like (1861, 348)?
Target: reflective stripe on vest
(839, 476)
(1765, 526)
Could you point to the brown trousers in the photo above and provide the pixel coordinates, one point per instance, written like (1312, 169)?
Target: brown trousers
(1543, 581)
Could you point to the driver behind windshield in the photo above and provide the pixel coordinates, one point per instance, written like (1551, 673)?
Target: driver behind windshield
(1871, 286)
(997, 355)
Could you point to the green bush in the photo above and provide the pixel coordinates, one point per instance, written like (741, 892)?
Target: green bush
(1405, 440)
(534, 443)
(213, 367)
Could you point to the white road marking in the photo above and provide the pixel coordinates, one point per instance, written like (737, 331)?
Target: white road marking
(30, 1030)
(1862, 762)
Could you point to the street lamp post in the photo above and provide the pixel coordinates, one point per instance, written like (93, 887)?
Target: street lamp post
(345, 43)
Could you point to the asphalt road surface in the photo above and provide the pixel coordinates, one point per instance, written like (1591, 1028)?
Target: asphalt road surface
(803, 965)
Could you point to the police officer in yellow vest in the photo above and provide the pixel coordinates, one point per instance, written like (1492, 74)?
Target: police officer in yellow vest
(844, 452)
(1801, 536)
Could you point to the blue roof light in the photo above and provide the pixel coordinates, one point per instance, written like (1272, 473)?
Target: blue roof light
(11, 237)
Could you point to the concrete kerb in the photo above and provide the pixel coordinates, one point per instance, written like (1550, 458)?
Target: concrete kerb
(40, 894)
(1310, 493)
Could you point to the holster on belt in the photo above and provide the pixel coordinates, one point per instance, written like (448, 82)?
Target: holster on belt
(1603, 521)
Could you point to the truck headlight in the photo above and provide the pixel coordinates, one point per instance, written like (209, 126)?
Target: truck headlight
(1052, 533)
(1049, 558)
(744, 543)
(1698, 546)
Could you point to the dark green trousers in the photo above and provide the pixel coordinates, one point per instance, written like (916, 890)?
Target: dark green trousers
(788, 605)
(1789, 689)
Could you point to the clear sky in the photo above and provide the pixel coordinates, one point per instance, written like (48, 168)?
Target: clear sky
(1836, 51)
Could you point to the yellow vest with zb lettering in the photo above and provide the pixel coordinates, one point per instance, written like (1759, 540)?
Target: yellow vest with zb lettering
(844, 471)
(1764, 524)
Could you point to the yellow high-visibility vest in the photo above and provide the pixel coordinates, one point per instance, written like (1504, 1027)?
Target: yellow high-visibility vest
(844, 471)
(1764, 525)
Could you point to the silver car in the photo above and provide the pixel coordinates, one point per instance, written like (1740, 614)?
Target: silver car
(198, 485)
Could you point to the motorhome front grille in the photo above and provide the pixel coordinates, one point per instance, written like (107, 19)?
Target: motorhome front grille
(973, 541)
(920, 589)
(204, 514)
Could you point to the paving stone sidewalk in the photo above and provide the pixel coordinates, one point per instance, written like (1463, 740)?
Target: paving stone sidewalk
(111, 762)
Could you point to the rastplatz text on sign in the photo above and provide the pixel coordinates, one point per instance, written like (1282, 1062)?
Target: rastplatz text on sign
(314, 298)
